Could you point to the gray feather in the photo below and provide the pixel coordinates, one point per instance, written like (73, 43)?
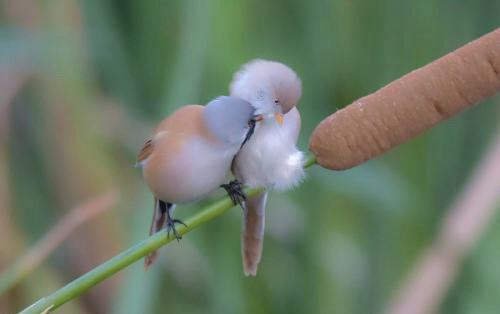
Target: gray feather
(227, 118)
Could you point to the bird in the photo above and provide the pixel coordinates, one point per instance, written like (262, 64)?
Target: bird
(190, 154)
(270, 159)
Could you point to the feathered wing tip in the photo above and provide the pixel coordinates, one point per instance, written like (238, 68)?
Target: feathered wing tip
(145, 152)
(252, 237)
(158, 223)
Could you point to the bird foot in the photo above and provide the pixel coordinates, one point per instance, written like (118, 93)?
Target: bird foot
(235, 192)
(171, 227)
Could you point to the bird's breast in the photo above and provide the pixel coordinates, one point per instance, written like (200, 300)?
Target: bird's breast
(270, 159)
(195, 170)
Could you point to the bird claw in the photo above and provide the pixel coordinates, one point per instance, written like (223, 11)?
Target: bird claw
(235, 192)
(171, 227)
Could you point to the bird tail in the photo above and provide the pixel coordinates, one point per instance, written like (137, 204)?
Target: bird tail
(158, 223)
(252, 238)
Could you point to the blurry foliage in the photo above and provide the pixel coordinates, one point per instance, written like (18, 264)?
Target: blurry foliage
(102, 73)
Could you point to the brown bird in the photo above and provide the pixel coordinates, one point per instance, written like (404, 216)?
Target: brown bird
(190, 155)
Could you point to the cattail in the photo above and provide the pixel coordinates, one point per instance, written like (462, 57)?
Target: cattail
(410, 105)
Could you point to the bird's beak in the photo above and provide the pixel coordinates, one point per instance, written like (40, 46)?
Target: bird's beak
(258, 118)
(279, 118)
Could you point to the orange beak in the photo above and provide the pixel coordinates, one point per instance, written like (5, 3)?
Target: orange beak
(258, 118)
(279, 118)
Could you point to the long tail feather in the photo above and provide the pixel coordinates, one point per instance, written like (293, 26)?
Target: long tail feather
(158, 223)
(252, 238)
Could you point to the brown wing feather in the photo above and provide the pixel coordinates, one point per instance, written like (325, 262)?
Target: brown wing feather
(146, 151)
(172, 131)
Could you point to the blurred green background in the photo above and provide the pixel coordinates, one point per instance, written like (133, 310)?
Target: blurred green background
(93, 77)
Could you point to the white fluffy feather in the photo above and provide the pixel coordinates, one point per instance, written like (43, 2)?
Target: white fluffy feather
(270, 158)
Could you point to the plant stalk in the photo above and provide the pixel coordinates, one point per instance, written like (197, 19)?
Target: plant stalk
(131, 255)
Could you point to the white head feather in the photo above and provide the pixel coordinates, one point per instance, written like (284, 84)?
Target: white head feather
(269, 86)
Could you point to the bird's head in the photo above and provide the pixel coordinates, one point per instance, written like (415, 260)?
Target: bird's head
(271, 87)
(228, 119)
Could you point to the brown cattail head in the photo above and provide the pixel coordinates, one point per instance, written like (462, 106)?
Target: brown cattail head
(410, 105)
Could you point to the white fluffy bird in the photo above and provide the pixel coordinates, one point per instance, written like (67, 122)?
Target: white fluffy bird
(270, 158)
